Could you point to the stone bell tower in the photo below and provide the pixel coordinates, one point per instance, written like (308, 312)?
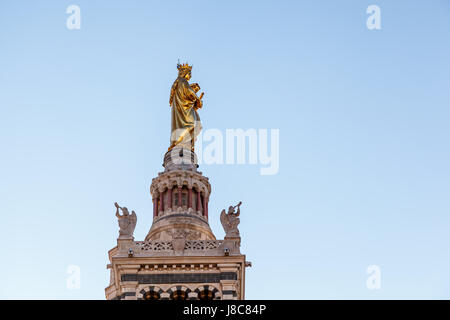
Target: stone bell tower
(180, 258)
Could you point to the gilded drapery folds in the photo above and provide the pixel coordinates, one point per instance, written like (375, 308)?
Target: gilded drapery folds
(184, 103)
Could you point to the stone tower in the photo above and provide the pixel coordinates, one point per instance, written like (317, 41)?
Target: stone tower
(180, 258)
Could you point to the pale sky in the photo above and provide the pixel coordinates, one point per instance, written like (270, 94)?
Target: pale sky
(363, 119)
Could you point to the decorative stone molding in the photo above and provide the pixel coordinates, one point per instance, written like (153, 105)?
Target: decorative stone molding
(179, 178)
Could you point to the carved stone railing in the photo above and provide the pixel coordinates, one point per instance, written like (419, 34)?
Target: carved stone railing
(154, 245)
(190, 245)
(202, 244)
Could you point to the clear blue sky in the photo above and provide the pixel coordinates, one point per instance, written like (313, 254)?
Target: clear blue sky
(364, 138)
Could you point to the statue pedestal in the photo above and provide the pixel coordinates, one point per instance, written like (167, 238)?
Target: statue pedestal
(233, 244)
(125, 244)
(180, 159)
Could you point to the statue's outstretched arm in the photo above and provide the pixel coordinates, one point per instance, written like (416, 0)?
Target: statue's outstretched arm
(238, 208)
(117, 209)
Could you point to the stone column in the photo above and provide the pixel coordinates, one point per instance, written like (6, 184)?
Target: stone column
(161, 201)
(205, 208)
(169, 197)
(155, 210)
(199, 201)
(180, 204)
(189, 197)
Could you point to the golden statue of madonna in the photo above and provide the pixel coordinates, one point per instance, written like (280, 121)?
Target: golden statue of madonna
(184, 103)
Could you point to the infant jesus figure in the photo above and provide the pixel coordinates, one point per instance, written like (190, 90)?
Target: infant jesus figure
(196, 88)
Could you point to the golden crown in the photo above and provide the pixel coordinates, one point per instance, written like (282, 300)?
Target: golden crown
(184, 66)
